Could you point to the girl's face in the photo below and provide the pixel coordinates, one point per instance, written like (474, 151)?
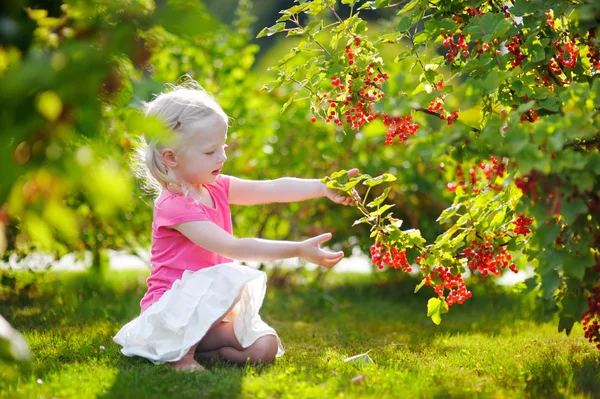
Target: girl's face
(201, 157)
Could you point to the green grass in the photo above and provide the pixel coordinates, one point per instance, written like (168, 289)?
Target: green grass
(492, 346)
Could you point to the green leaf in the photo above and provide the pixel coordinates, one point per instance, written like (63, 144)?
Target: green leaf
(364, 219)
(271, 30)
(379, 200)
(350, 185)
(414, 237)
(498, 219)
(384, 178)
(570, 210)
(436, 307)
(288, 103)
(419, 286)
(574, 266)
(371, 5)
(566, 324)
(404, 24)
(381, 210)
(448, 213)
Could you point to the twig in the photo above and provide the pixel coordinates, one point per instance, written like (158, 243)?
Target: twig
(311, 37)
(301, 84)
(336, 14)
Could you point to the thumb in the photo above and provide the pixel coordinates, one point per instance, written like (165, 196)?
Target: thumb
(322, 238)
(352, 172)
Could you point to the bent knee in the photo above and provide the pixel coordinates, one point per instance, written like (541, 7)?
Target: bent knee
(264, 349)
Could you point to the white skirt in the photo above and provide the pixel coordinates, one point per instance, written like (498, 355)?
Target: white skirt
(167, 330)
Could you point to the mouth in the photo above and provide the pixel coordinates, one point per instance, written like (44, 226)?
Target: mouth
(216, 172)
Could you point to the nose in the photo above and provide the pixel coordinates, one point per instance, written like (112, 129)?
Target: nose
(223, 156)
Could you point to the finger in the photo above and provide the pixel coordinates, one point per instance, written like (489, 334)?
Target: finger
(330, 256)
(332, 262)
(352, 172)
(322, 238)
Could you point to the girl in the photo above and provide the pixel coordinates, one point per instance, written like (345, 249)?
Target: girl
(199, 301)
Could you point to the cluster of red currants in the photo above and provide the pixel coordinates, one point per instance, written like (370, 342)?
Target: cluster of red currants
(593, 52)
(514, 47)
(458, 292)
(355, 108)
(483, 257)
(484, 47)
(529, 116)
(436, 106)
(550, 18)
(570, 50)
(381, 256)
(398, 127)
(522, 225)
(591, 318)
(455, 47)
(474, 11)
(489, 171)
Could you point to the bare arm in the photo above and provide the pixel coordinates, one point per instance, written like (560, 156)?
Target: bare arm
(211, 237)
(285, 189)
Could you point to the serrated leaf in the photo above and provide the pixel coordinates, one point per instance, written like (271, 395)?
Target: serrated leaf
(379, 200)
(363, 219)
(350, 185)
(404, 24)
(384, 178)
(566, 324)
(419, 286)
(288, 103)
(414, 237)
(436, 308)
(270, 31)
(372, 5)
(448, 213)
(381, 210)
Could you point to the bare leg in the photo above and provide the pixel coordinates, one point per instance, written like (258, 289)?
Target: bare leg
(261, 351)
(187, 362)
(221, 342)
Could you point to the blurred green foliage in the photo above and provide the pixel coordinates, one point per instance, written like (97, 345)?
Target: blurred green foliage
(73, 94)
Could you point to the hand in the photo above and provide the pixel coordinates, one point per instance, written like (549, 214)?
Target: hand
(310, 251)
(339, 197)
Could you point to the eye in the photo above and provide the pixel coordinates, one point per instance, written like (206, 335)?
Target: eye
(210, 153)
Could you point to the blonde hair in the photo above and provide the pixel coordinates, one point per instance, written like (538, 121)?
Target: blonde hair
(182, 108)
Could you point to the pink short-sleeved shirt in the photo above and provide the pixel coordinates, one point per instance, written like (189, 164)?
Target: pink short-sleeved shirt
(172, 253)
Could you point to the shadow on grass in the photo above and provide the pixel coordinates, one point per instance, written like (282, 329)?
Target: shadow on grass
(395, 305)
(143, 381)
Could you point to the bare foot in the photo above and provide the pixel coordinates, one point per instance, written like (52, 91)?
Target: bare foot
(187, 364)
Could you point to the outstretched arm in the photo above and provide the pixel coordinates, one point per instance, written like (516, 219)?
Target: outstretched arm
(210, 236)
(285, 189)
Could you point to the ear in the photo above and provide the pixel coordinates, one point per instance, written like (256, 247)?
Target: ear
(168, 157)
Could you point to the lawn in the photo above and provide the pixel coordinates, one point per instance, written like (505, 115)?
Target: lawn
(492, 346)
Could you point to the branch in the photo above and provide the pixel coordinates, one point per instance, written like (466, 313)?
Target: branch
(312, 37)
(336, 14)
(582, 143)
(438, 115)
(554, 78)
